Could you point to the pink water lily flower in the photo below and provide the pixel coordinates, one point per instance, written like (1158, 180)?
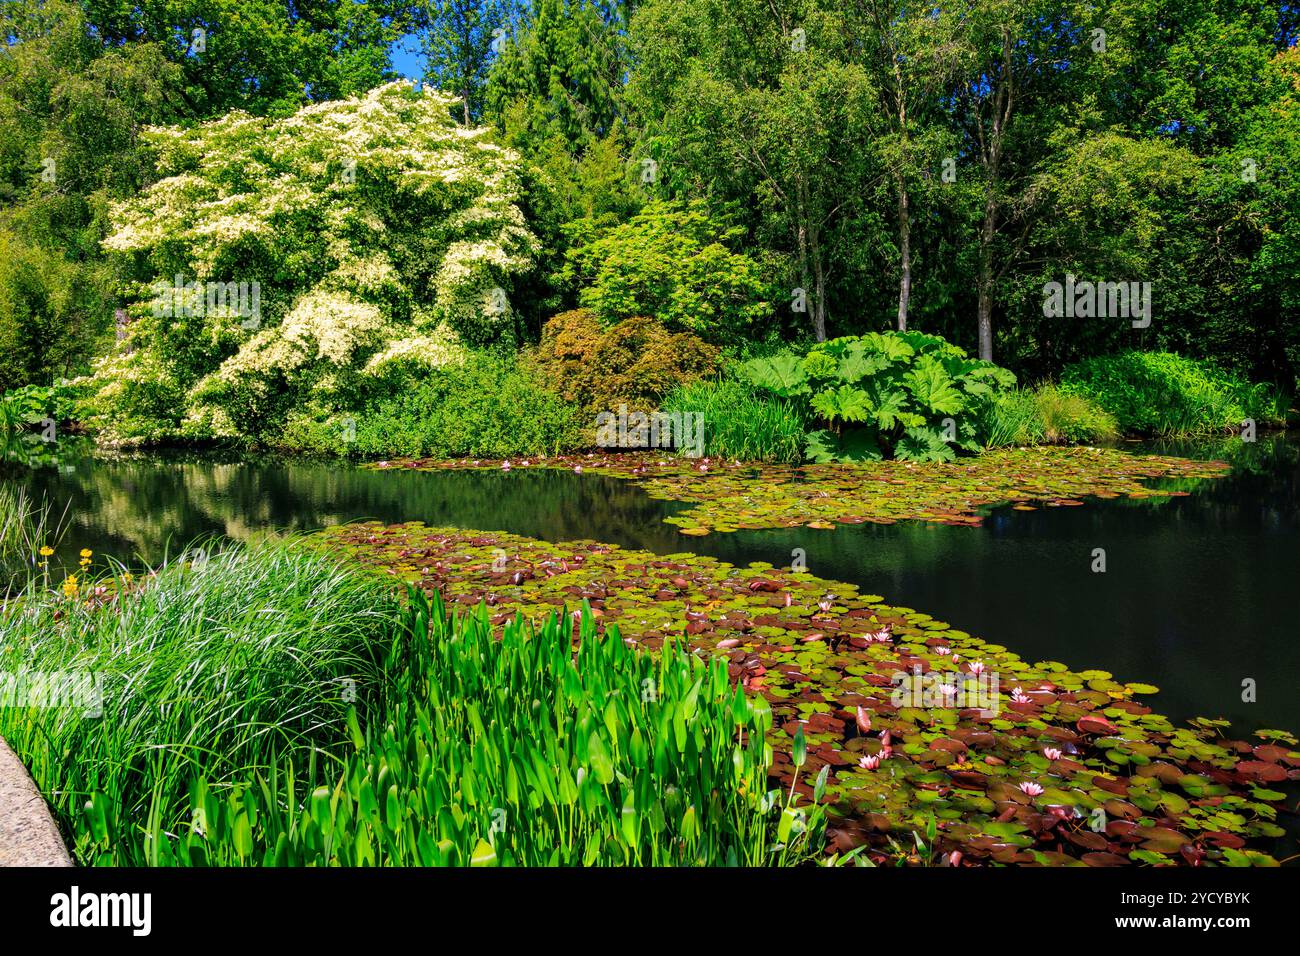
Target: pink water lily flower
(1019, 696)
(1052, 753)
(943, 650)
(578, 469)
(505, 466)
(1031, 788)
(869, 762)
(825, 603)
(977, 667)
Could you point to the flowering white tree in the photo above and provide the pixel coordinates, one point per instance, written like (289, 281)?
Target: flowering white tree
(373, 231)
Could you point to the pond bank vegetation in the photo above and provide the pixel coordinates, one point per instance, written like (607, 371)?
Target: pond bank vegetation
(629, 749)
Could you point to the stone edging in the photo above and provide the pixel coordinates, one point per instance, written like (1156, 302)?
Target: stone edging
(28, 835)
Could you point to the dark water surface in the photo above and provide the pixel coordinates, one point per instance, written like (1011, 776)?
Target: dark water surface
(1198, 596)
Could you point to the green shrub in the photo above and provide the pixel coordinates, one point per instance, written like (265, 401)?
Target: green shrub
(672, 262)
(1032, 416)
(905, 394)
(488, 406)
(137, 400)
(24, 407)
(742, 422)
(214, 668)
(52, 309)
(1072, 418)
(636, 362)
(1160, 393)
(31, 404)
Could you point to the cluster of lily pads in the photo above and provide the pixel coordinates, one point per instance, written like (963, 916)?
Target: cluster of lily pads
(1043, 765)
(730, 495)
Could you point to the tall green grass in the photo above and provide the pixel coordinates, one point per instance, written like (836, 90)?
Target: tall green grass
(521, 751)
(215, 668)
(742, 423)
(228, 737)
(1045, 415)
(26, 526)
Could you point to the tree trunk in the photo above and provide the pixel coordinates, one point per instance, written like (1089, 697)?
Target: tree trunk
(904, 216)
(801, 237)
(811, 252)
(905, 255)
(991, 157)
(819, 297)
(986, 323)
(985, 278)
(810, 260)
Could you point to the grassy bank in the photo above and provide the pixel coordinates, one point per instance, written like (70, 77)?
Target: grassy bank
(215, 668)
(1046, 416)
(272, 706)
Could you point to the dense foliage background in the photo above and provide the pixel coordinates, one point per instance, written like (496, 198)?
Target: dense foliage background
(746, 174)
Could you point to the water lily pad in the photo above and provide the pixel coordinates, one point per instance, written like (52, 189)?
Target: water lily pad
(726, 496)
(817, 650)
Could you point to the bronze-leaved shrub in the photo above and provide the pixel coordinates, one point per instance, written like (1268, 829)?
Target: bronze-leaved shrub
(635, 362)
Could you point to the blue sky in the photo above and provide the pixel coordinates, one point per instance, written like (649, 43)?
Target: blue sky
(404, 62)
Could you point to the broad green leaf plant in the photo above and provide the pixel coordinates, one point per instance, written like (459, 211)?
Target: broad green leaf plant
(896, 394)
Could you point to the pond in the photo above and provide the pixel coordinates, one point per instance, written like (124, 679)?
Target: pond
(1195, 597)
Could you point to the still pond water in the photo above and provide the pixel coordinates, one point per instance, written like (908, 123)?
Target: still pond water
(1199, 592)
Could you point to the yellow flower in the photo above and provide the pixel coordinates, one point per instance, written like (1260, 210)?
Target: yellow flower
(70, 586)
(86, 552)
(46, 551)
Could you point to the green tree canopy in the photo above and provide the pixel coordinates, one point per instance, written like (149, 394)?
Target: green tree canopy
(672, 262)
